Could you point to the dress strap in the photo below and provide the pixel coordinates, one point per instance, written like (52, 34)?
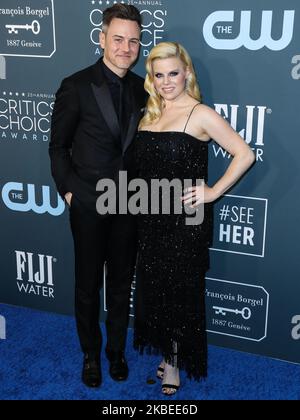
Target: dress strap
(190, 116)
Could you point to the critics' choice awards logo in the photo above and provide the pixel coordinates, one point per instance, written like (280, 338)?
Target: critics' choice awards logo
(27, 28)
(35, 274)
(29, 197)
(154, 17)
(236, 309)
(25, 116)
(240, 225)
(251, 117)
(230, 30)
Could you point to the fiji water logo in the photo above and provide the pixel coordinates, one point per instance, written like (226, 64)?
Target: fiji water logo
(27, 28)
(215, 31)
(19, 197)
(35, 274)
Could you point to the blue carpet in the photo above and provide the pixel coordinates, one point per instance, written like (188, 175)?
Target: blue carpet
(40, 360)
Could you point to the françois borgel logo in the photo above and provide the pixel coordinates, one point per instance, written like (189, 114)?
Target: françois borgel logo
(25, 117)
(220, 34)
(252, 118)
(35, 274)
(27, 28)
(237, 309)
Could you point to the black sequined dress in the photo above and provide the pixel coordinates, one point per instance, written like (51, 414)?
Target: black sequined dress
(172, 257)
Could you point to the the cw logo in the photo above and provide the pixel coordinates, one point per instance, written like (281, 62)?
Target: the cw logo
(25, 265)
(244, 38)
(13, 192)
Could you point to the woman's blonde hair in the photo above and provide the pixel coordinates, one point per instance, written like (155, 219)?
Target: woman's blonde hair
(155, 102)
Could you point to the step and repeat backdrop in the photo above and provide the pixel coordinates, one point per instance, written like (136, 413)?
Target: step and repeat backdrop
(247, 57)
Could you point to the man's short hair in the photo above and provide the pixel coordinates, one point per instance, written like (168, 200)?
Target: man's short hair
(121, 11)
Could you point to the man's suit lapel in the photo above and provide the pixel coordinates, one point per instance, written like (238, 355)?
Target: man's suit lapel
(104, 100)
(106, 106)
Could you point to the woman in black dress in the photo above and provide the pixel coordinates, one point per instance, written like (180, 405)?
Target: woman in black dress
(172, 144)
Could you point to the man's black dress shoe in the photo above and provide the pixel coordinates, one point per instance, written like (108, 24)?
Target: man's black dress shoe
(118, 368)
(91, 372)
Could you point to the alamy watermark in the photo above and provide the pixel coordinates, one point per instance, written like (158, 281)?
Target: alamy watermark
(159, 196)
(2, 328)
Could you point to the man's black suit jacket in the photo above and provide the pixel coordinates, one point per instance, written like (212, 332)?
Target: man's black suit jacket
(85, 141)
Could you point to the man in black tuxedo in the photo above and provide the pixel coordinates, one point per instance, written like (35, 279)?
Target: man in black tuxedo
(94, 121)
